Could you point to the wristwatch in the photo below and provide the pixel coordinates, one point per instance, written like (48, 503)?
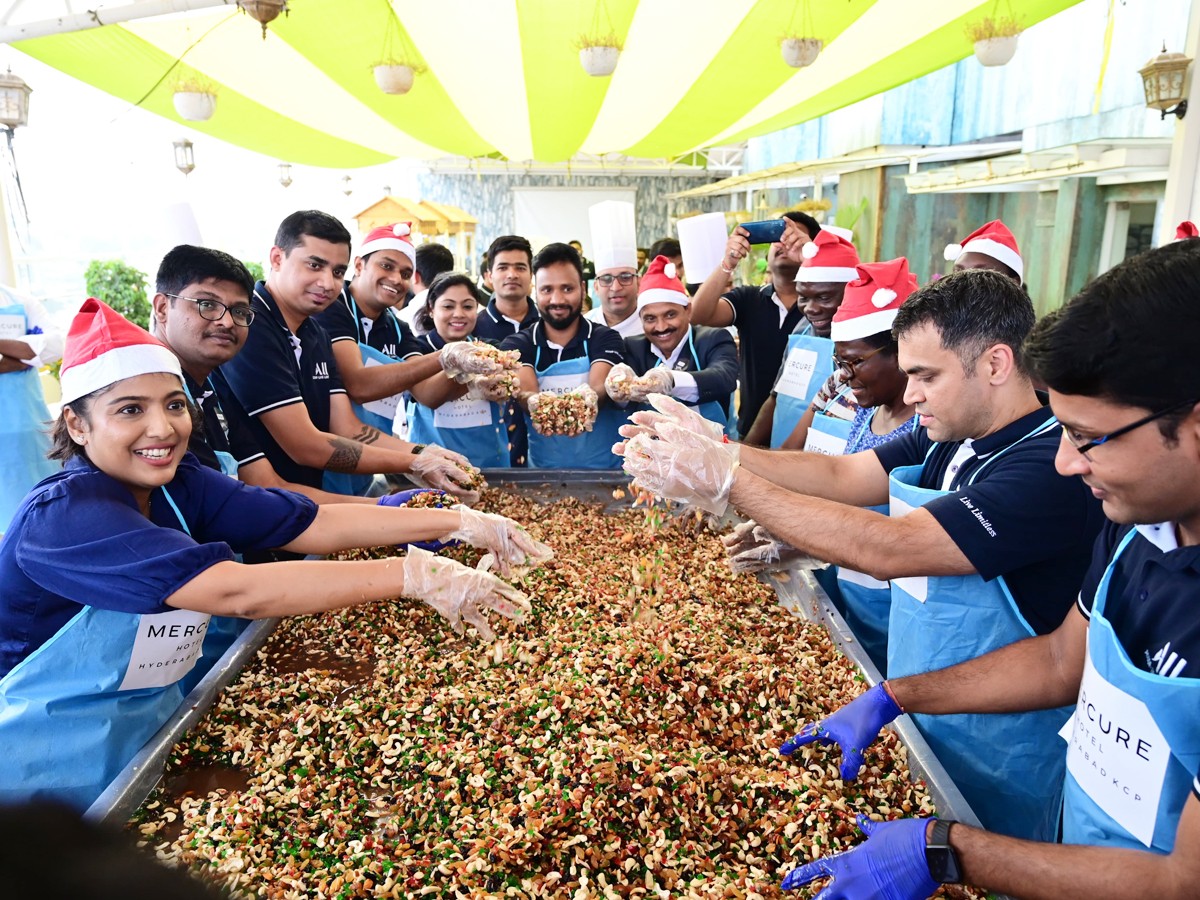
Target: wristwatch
(417, 448)
(940, 856)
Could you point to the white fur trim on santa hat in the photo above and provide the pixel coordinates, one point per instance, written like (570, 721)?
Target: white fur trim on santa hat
(863, 326)
(952, 252)
(116, 365)
(844, 233)
(809, 250)
(996, 251)
(882, 297)
(662, 295)
(403, 244)
(810, 274)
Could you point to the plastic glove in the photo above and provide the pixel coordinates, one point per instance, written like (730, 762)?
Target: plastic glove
(751, 548)
(545, 421)
(459, 593)
(853, 728)
(444, 471)
(658, 380)
(399, 498)
(668, 409)
(508, 542)
(682, 466)
(493, 388)
(591, 403)
(619, 383)
(463, 358)
(890, 865)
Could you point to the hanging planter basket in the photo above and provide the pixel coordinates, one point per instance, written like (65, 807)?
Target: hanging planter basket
(394, 78)
(996, 51)
(599, 61)
(799, 52)
(195, 106)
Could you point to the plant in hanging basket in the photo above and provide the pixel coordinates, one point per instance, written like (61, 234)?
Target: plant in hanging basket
(995, 39)
(598, 53)
(799, 52)
(195, 99)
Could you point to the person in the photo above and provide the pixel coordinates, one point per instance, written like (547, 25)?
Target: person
(669, 247)
(589, 269)
(484, 285)
(829, 264)
(986, 543)
(28, 341)
(991, 246)
(694, 364)
(286, 378)
(441, 410)
(510, 310)
(114, 566)
(377, 354)
(1117, 361)
(763, 316)
(614, 238)
(561, 353)
(643, 254)
(430, 260)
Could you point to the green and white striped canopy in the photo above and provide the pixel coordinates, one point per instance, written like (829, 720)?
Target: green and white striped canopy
(502, 78)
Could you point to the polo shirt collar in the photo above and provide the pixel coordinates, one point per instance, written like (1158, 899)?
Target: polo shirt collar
(1011, 433)
(582, 334)
(1161, 535)
(272, 308)
(676, 353)
(531, 314)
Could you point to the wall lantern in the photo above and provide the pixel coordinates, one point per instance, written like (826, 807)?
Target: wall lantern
(1163, 79)
(185, 160)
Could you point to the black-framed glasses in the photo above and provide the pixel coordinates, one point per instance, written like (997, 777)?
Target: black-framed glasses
(1084, 449)
(626, 278)
(850, 366)
(214, 310)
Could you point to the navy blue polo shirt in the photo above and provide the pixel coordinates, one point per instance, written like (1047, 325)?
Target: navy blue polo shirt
(491, 326)
(277, 368)
(1021, 519)
(604, 344)
(344, 321)
(763, 329)
(227, 431)
(1153, 598)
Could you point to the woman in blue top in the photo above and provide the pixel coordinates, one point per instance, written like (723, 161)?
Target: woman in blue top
(112, 569)
(441, 410)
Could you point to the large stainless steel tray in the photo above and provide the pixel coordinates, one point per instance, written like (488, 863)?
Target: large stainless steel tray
(800, 594)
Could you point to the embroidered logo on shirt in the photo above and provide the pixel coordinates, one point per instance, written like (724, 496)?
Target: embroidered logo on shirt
(1166, 663)
(321, 370)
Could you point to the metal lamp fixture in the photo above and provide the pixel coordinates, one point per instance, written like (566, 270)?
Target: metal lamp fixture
(264, 11)
(1162, 79)
(14, 101)
(285, 174)
(346, 188)
(185, 159)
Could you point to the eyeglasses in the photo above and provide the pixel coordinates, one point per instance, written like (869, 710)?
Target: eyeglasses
(214, 310)
(626, 279)
(850, 367)
(1084, 449)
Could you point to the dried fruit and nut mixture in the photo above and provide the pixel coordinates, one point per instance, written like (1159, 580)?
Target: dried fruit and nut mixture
(568, 413)
(620, 742)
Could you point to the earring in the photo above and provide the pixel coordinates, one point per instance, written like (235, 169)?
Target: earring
(78, 438)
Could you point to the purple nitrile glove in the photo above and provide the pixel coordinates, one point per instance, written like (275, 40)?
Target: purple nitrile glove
(890, 865)
(853, 728)
(401, 497)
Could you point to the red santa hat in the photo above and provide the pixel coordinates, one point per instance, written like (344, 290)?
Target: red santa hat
(828, 257)
(872, 300)
(1185, 230)
(994, 240)
(660, 284)
(397, 236)
(103, 347)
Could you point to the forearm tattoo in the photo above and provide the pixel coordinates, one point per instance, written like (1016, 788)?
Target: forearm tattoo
(368, 435)
(345, 456)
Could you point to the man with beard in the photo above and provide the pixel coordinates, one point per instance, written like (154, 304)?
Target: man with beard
(565, 353)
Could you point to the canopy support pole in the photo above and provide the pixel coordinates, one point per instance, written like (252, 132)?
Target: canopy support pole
(101, 17)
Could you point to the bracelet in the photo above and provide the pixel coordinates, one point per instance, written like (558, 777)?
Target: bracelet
(888, 690)
(725, 270)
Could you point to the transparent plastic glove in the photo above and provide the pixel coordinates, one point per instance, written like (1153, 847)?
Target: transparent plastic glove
(620, 383)
(751, 548)
(399, 498)
(889, 865)
(658, 380)
(493, 388)
(668, 409)
(682, 466)
(853, 728)
(459, 593)
(442, 470)
(591, 402)
(509, 543)
(545, 422)
(470, 358)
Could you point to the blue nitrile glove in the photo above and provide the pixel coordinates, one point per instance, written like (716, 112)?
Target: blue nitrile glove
(890, 865)
(401, 497)
(853, 728)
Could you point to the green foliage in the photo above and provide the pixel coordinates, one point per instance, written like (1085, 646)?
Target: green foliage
(256, 269)
(848, 216)
(121, 286)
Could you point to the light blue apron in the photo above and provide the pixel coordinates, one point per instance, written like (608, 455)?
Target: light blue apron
(24, 440)
(1008, 766)
(1133, 744)
(808, 363)
(379, 414)
(590, 450)
(77, 709)
(474, 428)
